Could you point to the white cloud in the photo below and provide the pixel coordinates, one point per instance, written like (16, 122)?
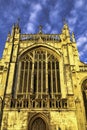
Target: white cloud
(79, 3)
(34, 12)
(78, 18)
(32, 17)
(82, 46)
(30, 25)
(72, 20)
(81, 40)
(30, 28)
(85, 62)
(85, 47)
(47, 28)
(81, 53)
(54, 31)
(73, 12)
(36, 7)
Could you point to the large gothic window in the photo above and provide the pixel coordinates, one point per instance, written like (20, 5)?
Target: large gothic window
(38, 74)
(84, 91)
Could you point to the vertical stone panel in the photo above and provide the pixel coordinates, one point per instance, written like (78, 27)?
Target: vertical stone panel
(10, 78)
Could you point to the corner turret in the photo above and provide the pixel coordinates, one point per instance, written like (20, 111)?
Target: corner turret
(16, 29)
(66, 32)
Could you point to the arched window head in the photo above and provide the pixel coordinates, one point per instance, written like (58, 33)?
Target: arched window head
(84, 91)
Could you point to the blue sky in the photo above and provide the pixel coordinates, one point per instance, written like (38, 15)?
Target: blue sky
(49, 14)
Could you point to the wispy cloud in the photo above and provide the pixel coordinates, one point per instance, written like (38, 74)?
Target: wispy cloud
(47, 28)
(79, 3)
(81, 41)
(49, 13)
(82, 46)
(30, 25)
(30, 28)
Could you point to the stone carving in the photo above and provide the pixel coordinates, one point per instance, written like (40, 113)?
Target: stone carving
(71, 102)
(7, 102)
(5, 122)
(68, 79)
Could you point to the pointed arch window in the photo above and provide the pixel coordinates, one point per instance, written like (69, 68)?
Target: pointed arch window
(38, 74)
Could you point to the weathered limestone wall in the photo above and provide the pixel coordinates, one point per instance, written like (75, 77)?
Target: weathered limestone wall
(14, 120)
(65, 120)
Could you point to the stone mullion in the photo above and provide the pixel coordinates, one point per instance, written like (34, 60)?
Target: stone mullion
(46, 73)
(51, 80)
(41, 78)
(53, 38)
(28, 76)
(56, 78)
(37, 77)
(32, 73)
(32, 76)
(23, 77)
(19, 72)
(46, 37)
(34, 37)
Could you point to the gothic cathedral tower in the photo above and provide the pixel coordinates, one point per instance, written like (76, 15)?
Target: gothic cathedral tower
(43, 83)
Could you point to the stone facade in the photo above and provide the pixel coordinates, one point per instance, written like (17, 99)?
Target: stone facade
(43, 83)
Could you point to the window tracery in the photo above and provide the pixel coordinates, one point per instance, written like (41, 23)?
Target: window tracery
(38, 82)
(38, 74)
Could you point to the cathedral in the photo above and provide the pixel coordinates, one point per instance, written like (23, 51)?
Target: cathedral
(43, 83)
